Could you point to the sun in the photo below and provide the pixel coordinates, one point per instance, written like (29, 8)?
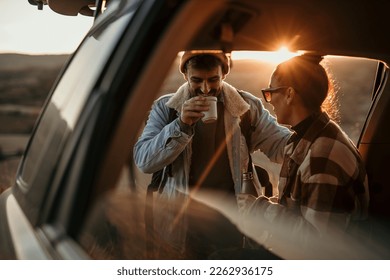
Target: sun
(276, 57)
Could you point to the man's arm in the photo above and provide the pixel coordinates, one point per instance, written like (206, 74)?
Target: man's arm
(268, 135)
(161, 142)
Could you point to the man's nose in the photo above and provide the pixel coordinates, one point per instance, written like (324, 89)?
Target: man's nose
(205, 87)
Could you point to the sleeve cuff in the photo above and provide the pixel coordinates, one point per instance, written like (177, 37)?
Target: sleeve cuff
(187, 129)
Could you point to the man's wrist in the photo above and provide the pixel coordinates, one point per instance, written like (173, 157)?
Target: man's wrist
(186, 128)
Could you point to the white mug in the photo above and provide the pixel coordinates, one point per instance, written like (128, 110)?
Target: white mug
(211, 114)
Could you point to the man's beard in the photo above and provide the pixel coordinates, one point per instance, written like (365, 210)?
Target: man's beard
(199, 92)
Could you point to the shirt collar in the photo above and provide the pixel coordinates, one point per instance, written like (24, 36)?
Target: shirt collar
(301, 128)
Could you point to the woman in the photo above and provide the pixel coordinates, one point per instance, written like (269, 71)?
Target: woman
(323, 184)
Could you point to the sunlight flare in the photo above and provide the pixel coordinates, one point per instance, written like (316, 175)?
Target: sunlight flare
(275, 57)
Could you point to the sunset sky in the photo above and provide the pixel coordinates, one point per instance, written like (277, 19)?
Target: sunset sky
(25, 29)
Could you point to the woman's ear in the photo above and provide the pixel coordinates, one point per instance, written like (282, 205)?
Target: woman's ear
(290, 94)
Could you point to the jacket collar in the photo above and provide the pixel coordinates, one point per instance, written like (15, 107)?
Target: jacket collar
(298, 154)
(233, 101)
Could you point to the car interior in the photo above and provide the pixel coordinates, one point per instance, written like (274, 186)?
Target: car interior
(342, 31)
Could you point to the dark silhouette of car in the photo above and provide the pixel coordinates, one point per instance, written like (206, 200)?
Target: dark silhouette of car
(77, 193)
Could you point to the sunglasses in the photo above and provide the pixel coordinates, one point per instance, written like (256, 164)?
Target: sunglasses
(267, 92)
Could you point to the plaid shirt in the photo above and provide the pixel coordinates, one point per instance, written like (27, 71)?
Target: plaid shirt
(323, 177)
(322, 188)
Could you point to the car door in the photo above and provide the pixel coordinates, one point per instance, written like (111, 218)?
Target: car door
(29, 206)
(375, 150)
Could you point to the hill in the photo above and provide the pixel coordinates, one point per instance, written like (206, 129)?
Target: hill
(17, 62)
(25, 82)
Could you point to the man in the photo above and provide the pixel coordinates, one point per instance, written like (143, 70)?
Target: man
(210, 156)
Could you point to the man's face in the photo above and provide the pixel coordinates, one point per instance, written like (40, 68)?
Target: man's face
(205, 82)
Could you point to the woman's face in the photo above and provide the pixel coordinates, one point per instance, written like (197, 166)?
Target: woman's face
(279, 101)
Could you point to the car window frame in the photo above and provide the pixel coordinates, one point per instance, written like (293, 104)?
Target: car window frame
(32, 197)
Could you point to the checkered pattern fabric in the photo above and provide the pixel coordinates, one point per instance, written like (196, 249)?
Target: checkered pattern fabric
(324, 172)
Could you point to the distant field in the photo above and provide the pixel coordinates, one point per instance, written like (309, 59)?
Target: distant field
(7, 173)
(16, 123)
(25, 82)
(18, 62)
